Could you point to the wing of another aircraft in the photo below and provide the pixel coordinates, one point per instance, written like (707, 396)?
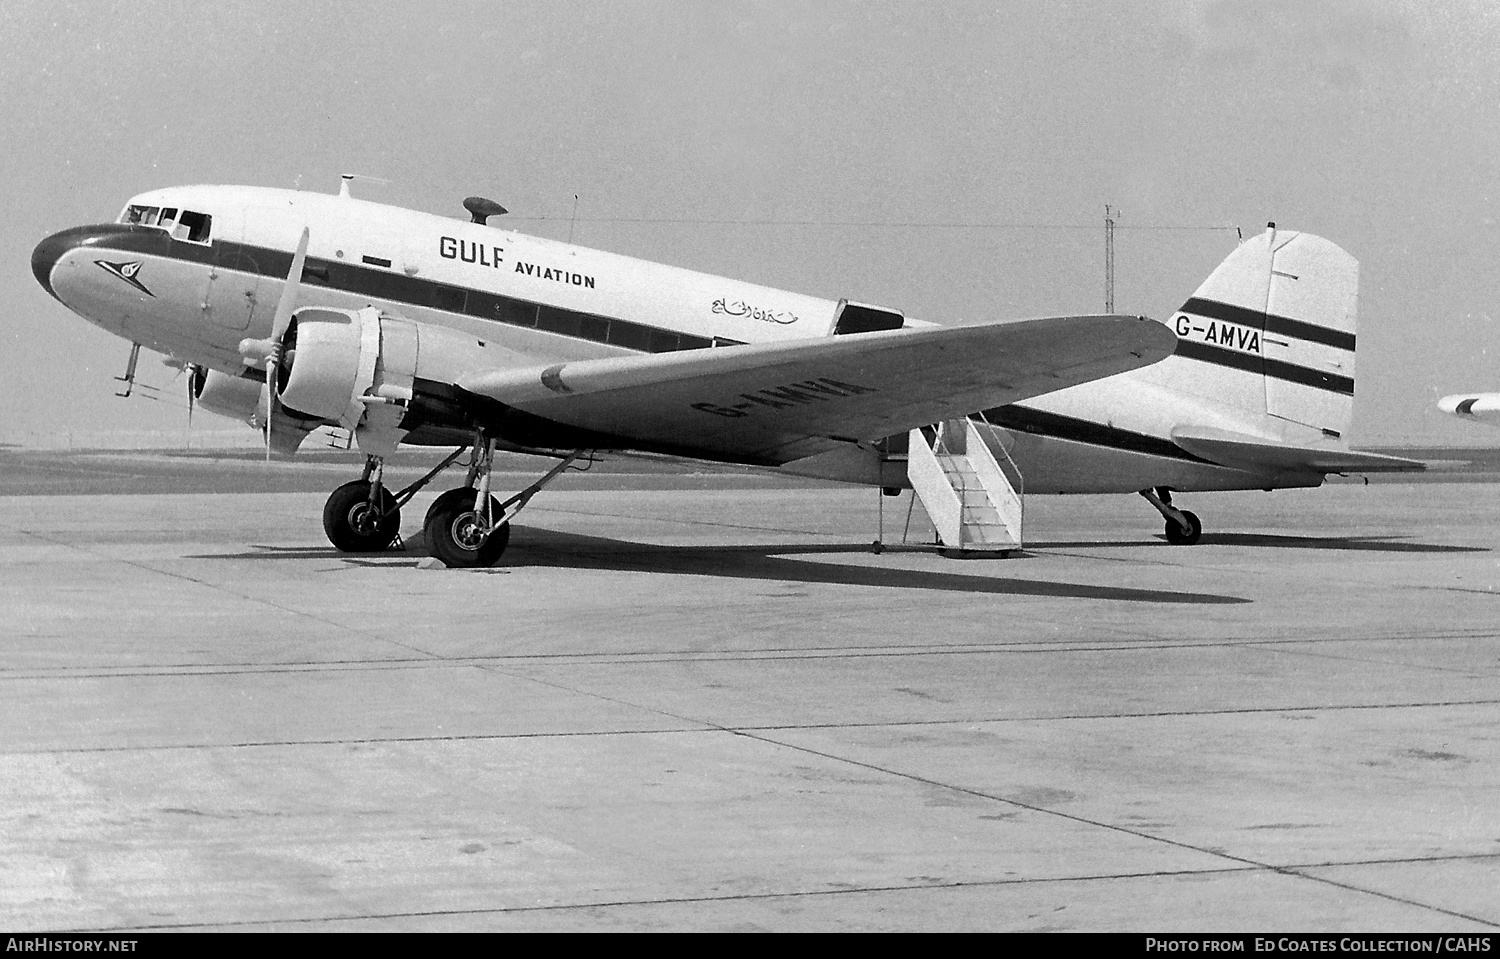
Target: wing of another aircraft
(775, 402)
(1472, 406)
(1253, 453)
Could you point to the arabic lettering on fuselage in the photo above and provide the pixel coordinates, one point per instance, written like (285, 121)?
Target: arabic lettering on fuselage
(741, 308)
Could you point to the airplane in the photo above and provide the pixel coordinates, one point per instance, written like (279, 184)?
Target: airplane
(1480, 407)
(296, 310)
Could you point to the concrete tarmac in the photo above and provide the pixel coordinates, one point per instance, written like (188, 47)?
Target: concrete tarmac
(717, 709)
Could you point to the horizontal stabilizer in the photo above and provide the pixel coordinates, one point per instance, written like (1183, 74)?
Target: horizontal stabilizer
(774, 402)
(1259, 455)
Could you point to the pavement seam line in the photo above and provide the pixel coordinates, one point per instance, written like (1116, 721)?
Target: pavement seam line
(710, 728)
(1041, 810)
(800, 894)
(136, 564)
(1082, 820)
(770, 654)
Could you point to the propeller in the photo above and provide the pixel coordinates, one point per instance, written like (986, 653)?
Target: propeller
(271, 349)
(197, 376)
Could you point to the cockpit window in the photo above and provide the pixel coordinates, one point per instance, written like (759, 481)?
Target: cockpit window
(183, 225)
(144, 215)
(196, 224)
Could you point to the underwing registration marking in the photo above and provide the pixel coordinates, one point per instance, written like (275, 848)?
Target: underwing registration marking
(820, 390)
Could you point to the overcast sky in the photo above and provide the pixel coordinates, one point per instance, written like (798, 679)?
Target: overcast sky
(950, 159)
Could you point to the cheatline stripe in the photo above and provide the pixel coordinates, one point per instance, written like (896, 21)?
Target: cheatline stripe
(397, 287)
(1041, 423)
(1281, 370)
(1270, 322)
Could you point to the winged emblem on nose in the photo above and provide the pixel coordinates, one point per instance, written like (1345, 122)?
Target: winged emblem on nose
(126, 271)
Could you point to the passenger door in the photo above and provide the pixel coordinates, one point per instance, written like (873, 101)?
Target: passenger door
(234, 283)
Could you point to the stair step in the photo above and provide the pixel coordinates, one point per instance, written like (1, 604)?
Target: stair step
(984, 517)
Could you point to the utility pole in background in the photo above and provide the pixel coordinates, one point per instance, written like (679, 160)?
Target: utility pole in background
(1109, 257)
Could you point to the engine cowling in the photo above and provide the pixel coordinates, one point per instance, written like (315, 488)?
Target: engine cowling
(357, 368)
(320, 370)
(227, 395)
(243, 399)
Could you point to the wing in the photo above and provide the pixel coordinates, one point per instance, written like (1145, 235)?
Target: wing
(775, 402)
(1240, 451)
(1472, 406)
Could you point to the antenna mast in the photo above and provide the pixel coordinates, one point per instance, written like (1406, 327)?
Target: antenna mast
(1109, 257)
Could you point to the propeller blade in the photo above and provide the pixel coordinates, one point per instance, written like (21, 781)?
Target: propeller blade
(282, 320)
(288, 300)
(192, 397)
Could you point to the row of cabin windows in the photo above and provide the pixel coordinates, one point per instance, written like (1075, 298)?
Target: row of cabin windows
(400, 288)
(181, 224)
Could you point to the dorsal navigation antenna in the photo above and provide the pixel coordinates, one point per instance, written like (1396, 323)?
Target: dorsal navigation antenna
(481, 209)
(347, 178)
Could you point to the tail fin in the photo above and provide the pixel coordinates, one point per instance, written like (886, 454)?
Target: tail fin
(1272, 331)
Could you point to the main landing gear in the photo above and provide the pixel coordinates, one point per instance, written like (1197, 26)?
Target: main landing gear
(464, 527)
(1183, 528)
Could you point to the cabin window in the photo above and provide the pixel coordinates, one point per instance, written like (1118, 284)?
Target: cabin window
(632, 336)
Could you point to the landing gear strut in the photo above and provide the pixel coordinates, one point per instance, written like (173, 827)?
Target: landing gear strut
(364, 516)
(1183, 528)
(467, 527)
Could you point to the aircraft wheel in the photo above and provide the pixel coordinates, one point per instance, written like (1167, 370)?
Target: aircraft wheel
(452, 531)
(1177, 537)
(353, 525)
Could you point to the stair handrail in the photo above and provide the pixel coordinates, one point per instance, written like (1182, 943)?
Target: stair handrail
(985, 460)
(942, 503)
(1020, 478)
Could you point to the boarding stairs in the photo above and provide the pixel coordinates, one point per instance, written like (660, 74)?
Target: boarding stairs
(968, 496)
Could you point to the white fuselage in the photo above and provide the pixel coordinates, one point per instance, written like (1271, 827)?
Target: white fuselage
(542, 300)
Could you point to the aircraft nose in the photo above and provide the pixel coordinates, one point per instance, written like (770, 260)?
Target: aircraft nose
(46, 255)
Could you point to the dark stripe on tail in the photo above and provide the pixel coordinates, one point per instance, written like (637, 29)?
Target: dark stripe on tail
(1250, 363)
(1214, 310)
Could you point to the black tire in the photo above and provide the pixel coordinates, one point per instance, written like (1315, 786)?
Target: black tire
(351, 523)
(449, 530)
(1177, 537)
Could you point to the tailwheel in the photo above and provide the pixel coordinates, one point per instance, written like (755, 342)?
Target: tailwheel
(1178, 536)
(458, 535)
(1183, 528)
(356, 523)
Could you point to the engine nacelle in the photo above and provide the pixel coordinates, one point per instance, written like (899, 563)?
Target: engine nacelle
(321, 370)
(357, 367)
(235, 396)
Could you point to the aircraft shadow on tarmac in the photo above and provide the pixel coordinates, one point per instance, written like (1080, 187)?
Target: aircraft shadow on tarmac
(531, 547)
